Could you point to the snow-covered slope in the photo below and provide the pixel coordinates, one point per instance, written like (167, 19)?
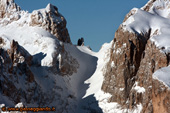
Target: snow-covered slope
(39, 66)
(33, 39)
(43, 79)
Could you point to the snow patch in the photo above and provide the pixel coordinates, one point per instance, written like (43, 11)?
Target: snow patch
(121, 89)
(112, 64)
(160, 7)
(39, 41)
(163, 75)
(113, 107)
(124, 45)
(96, 80)
(138, 88)
(118, 51)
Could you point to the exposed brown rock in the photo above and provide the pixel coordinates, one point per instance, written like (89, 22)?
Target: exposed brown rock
(51, 20)
(7, 8)
(153, 59)
(160, 97)
(2, 43)
(69, 65)
(18, 54)
(134, 58)
(126, 56)
(149, 5)
(14, 69)
(15, 65)
(132, 12)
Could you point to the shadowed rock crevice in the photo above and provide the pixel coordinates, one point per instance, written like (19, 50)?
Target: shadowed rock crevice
(128, 49)
(136, 57)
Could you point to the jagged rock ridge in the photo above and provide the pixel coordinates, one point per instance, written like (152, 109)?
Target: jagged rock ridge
(49, 18)
(38, 67)
(137, 52)
(33, 67)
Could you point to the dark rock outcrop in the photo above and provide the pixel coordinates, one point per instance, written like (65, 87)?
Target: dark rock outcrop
(15, 63)
(80, 42)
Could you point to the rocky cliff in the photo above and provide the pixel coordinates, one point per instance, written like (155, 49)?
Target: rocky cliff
(137, 53)
(130, 74)
(34, 68)
(51, 20)
(8, 8)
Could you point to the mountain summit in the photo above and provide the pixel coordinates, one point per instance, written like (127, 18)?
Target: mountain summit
(51, 20)
(8, 9)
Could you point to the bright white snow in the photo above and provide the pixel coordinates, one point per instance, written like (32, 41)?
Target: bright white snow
(34, 39)
(86, 84)
(163, 75)
(160, 7)
(138, 88)
(157, 19)
(143, 21)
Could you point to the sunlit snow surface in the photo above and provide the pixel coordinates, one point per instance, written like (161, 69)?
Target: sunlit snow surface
(142, 21)
(33, 39)
(163, 75)
(84, 85)
(95, 84)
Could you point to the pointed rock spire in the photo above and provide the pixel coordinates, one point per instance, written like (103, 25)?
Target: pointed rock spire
(51, 20)
(8, 7)
(51, 8)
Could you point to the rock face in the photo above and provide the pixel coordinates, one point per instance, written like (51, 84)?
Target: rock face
(124, 64)
(15, 63)
(158, 7)
(21, 56)
(8, 8)
(51, 20)
(134, 58)
(20, 83)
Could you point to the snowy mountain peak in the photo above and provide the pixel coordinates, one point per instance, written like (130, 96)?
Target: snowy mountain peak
(33, 57)
(9, 11)
(7, 6)
(158, 7)
(51, 20)
(51, 8)
(153, 18)
(7, 2)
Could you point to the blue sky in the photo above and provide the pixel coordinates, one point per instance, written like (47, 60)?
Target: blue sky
(95, 20)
